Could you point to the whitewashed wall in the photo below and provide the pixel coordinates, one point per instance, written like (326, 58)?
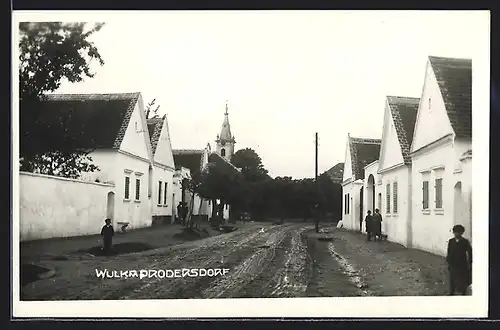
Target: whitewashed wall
(136, 212)
(160, 208)
(352, 220)
(396, 224)
(59, 207)
(432, 228)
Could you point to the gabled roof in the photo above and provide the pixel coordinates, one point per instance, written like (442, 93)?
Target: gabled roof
(363, 152)
(336, 173)
(454, 77)
(92, 120)
(218, 159)
(189, 158)
(155, 126)
(404, 114)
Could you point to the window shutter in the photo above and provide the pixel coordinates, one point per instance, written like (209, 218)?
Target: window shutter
(165, 194)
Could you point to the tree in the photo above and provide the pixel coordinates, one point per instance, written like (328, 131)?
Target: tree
(217, 181)
(49, 53)
(150, 112)
(330, 195)
(251, 165)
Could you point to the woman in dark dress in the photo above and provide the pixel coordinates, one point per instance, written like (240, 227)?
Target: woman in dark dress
(369, 225)
(377, 224)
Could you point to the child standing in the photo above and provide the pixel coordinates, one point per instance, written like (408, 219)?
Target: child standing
(107, 233)
(459, 258)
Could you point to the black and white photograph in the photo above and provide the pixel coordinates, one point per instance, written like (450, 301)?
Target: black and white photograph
(250, 163)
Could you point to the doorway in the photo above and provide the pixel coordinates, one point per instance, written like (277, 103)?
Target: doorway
(110, 208)
(370, 194)
(361, 209)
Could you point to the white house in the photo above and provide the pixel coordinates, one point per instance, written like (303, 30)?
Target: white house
(441, 153)
(392, 183)
(163, 171)
(359, 153)
(114, 127)
(194, 160)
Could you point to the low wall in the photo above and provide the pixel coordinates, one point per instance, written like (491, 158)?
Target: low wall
(59, 207)
(159, 220)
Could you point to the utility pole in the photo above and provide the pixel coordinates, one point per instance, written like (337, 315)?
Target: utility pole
(316, 183)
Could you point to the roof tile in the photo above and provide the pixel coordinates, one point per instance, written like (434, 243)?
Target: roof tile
(92, 120)
(363, 152)
(404, 114)
(454, 77)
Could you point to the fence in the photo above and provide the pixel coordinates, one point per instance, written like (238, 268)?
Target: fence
(59, 207)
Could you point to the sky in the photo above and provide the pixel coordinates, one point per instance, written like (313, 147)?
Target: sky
(286, 75)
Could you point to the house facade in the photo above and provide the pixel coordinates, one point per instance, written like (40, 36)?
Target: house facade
(441, 154)
(162, 184)
(359, 153)
(394, 168)
(189, 162)
(114, 127)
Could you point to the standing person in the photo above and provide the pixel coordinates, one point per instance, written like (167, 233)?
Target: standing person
(377, 225)
(179, 212)
(107, 233)
(459, 258)
(369, 225)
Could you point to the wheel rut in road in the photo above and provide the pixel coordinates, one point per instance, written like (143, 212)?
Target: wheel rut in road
(216, 256)
(285, 271)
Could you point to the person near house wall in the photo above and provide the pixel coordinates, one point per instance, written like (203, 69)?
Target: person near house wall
(377, 225)
(107, 233)
(369, 225)
(179, 212)
(459, 258)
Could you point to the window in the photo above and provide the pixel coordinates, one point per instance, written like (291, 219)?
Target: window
(425, 195)
(388, 198)
(223, 152)
(165, 195)
(348, 204)
(439, 193)
(137, 189)
(127, 187)
(395, 197)
(159, 192)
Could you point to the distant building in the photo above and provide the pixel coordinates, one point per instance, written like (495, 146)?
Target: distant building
(359, 153)
(189, 162)
(336, 173)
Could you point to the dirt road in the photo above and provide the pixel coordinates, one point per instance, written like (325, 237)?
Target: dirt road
(287, 260)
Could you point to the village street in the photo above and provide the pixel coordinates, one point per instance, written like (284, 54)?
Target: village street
(264, 260)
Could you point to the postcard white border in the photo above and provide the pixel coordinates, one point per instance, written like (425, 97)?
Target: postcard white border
(462, 307)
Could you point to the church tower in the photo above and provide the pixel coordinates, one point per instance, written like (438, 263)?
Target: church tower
(225, 140)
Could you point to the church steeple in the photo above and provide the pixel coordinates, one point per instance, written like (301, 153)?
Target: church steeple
(225, 140)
